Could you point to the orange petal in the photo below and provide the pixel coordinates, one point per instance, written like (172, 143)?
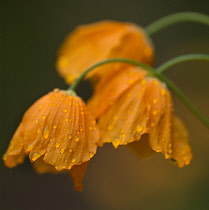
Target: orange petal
(96, 42)
(146, 107)
(57, 127)
(125, 121)
(181, 151)
(109, 88)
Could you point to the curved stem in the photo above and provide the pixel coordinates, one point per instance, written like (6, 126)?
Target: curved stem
(184, 99)
(113, 60)
(176, 18)
(181, 59)
(151, 72)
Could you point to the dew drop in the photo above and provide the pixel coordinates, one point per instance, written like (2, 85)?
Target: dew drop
(154, 112)
(91, 154)
(76, 138)
(69, 136)
(43, 117)
(139, 128)
(57, 145)
(62, 151)
(30, 146)
(73, 160)
(154, 101)
(38, 131)
(116, 141)
(55, 126)
(35, 156)
(64, 110)
(137, 136)
(58, 168)
(46, 133)
(70, 150)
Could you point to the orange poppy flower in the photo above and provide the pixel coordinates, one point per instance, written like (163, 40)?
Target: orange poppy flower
(143, 115)
(95, 42)
(58, 133)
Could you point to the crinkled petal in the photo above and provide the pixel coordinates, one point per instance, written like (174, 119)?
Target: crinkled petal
(110, 88)
(126, 120)
(96, 42)
(59, 128)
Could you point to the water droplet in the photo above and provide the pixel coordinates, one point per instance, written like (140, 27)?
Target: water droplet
(73, 160)
(76, 138)
(81, 128)
(66, 119)
(153, 124)
(70, 150)
(43, 117)
(38, 131)
(69, 136)
(154, 112)
(139, 128)
(36, 121)
(154, 101)
(137, 136)
(46, 133)
(30, 146)
(166, 155)
(64, 110)
(55, 126)
(58, 168)
(162, 92)
(35, 156)
(62, 151)
(40, 106)
(91, 154)
(116, 141)
(57, 145)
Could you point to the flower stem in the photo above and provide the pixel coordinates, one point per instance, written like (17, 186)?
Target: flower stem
(159, 75)
(184, 99)
(181, 59)
(176, 18)
(113, 60)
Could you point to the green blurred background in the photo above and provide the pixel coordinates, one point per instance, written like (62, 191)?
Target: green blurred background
(31, 32)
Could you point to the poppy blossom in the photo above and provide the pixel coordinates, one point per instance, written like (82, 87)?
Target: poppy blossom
(57, 133)
(95, 42)
(143, 117)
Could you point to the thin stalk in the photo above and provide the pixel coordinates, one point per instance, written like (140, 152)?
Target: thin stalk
(176, 18)
(181, 59)
(184, 99)
(113, 60)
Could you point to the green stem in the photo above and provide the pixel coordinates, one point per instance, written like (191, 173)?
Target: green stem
(157, 74)
(176, 18)
(184, 99)
(182, 59)
(113, 60)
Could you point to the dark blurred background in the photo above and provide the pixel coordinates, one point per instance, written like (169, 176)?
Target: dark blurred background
(31, 32)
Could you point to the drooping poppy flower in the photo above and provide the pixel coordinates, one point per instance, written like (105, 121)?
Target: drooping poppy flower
(143, 117)
(58, 133)
(96, 42)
